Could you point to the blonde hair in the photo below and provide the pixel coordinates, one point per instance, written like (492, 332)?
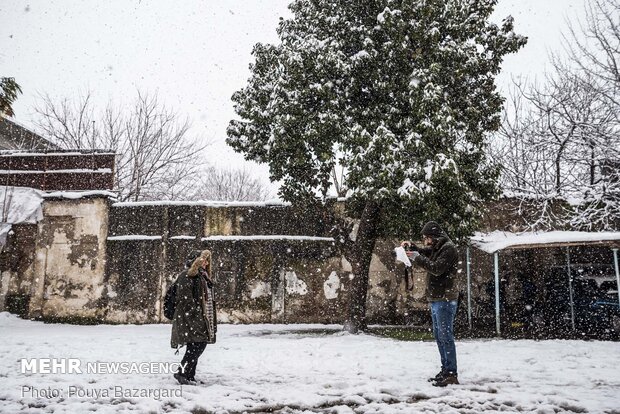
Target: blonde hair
(204, 255)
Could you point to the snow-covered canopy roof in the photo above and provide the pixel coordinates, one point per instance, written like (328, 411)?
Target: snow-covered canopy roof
(18, 205)
(499, 240)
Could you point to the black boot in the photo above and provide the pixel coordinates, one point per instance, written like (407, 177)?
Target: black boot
(437, 377)
(449, 378)
(182, 379)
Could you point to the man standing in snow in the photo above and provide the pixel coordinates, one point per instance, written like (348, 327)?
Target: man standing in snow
(439, 258)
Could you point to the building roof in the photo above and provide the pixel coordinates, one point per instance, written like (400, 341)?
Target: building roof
(499, 240)
(14, 136)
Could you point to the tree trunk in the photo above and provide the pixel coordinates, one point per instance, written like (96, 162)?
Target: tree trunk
(361, 256)
(592, 163)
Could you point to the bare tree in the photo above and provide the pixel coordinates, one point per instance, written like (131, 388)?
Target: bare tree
(155, 159)
(594, 46)
(560, 139)
(518, 149)
(231, 185)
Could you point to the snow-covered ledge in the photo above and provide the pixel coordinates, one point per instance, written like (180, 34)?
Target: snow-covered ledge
(202, 203)
(75, 195)
(268, 237)
(499, 240)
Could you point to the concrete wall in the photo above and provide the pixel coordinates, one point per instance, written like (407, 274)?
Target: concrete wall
(264, 271)
(89, 261)
(70, 260)
(55, 269)
(17, 269)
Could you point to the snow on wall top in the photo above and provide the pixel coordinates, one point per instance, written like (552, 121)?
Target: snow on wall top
(71, 171)
(134, 237)
(573, 200)
(498, 240)
(79, 194)
(21, 153)
(23, 204)
(203, 203)
(269, 237)
(225, 238)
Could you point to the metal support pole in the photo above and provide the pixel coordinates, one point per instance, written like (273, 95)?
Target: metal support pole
(617, 273)
(469, 288)
(497, 324)
(570, 289)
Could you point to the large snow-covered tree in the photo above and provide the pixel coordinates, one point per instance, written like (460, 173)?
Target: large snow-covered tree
(399, 93)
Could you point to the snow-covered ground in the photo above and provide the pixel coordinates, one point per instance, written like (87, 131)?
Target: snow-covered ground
(296, 368)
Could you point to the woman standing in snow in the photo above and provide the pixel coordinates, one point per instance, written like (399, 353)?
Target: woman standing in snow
(194, 323)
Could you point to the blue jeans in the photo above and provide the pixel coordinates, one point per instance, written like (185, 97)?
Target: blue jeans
(443, 314)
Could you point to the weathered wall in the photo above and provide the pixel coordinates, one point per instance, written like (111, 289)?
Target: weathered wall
(266, 267)
(17, 269)
(264, 273)
(89, 260)
(70, 259)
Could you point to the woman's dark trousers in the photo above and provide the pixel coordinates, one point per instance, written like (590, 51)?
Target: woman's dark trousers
(193, 351)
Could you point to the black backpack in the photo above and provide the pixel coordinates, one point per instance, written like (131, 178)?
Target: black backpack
(170, 301)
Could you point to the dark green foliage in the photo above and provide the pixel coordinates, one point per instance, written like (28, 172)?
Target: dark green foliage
(399, 93)
(9, 89)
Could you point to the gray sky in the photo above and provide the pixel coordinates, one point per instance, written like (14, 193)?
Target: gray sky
(194, 53)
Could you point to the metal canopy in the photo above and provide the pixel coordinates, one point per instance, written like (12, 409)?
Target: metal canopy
(495, 244)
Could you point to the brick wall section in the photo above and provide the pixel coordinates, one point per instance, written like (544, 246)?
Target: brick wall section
(58, 171)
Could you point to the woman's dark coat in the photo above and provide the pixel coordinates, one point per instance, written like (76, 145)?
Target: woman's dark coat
(194, 316)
